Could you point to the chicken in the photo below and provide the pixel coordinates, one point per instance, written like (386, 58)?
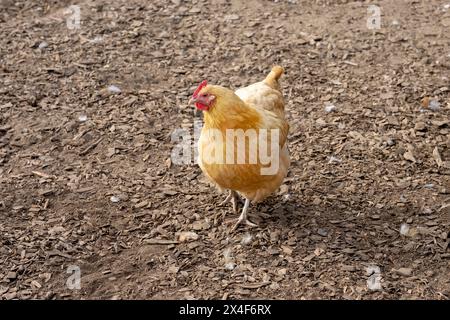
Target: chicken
(253, 114)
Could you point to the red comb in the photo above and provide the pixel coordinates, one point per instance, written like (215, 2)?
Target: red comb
(200, 87)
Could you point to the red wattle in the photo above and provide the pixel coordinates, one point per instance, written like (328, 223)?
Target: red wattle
(200, 106)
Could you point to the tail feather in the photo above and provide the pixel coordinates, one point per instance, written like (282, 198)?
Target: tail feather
(273, 76)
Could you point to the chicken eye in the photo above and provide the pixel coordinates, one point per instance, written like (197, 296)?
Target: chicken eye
(204, 95)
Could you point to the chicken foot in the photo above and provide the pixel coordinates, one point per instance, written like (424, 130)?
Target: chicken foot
(243, 217)
(234, 198)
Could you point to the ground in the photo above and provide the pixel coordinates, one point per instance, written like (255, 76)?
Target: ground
(86, 178)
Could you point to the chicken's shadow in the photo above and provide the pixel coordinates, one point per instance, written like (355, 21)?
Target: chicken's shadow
(294, 212)
(279, 212)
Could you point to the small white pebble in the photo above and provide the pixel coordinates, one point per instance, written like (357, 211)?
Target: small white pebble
(230, 266)
(114, 89)
(447, 6)
(334, 159)
(330, 108)
(82, 118)
(390, 142)
(404, 229)
(395, 23)
(97, 39)
(429, 186)
(187, 236)
(114, 199)
(43, 45)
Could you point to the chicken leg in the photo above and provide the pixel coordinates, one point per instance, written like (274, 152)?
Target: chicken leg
(243, 217)
(232, 197)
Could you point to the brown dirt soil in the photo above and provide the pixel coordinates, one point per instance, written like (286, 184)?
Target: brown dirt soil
(380, 160)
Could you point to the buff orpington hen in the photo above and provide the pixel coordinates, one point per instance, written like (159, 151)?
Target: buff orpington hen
(243, 143)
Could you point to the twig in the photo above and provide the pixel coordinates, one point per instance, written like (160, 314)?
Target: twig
(89, 148)
(42, 175)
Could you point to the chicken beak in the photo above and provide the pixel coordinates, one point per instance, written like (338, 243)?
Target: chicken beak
(192, 100)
